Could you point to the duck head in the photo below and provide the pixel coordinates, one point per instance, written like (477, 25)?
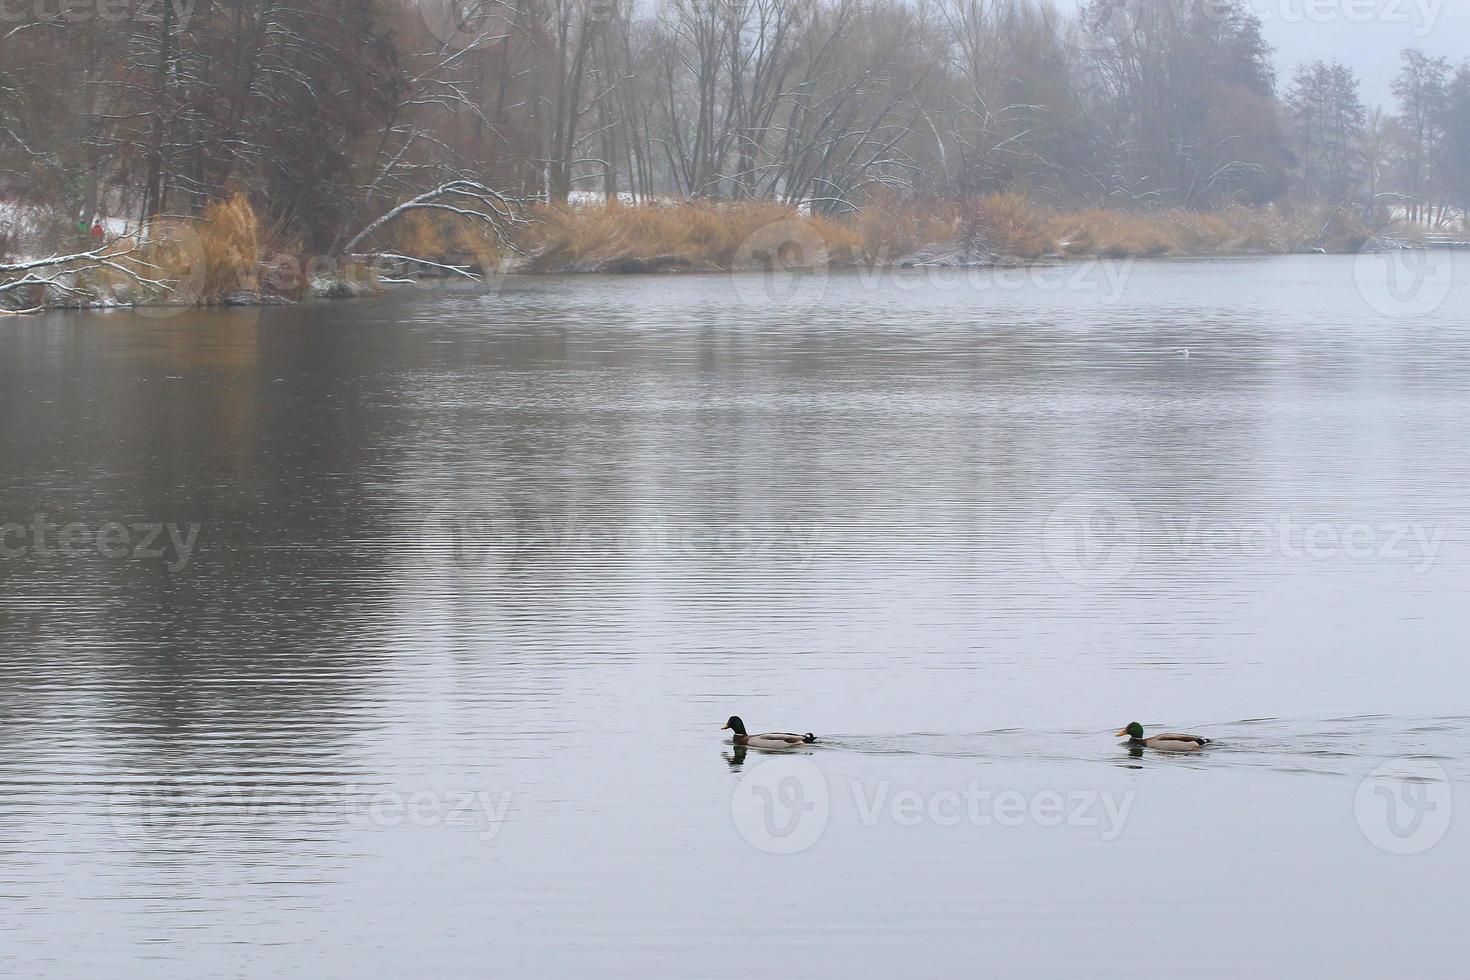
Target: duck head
(734, 724)
(1134, 730)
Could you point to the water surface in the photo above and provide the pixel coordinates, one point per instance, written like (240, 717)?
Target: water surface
(478, 578)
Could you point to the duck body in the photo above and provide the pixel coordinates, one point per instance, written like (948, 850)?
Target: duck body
(1163, 742)
(766, 740)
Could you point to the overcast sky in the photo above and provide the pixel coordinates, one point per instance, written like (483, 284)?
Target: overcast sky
(1365, 34)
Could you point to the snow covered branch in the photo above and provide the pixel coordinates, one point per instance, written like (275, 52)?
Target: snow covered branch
(63, 275)
(469, 199)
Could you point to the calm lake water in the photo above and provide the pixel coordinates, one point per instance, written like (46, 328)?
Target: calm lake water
(394, 638)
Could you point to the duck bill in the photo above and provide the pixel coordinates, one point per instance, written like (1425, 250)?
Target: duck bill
(1121, 732)
(724, 728)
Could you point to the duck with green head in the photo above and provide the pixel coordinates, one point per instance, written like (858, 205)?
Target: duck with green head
(766, 740)
(1166, 742)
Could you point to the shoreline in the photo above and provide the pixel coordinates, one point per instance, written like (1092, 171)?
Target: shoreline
(352, 289)
(231, 263)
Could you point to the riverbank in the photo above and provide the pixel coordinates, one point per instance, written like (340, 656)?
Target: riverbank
(228, 257)
(999, 229)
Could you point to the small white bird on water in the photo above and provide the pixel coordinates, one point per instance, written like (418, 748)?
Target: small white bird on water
(1182, 352)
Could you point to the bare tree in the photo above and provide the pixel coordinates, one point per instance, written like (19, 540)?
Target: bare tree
(1327, 119)
(1421, 90)
(1456, 153)
(336, 118)
(1187, 92)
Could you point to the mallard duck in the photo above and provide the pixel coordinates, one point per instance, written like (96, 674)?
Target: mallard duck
(766, 740)
(1166, 742)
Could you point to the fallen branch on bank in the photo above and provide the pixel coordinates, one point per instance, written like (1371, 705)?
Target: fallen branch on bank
(482, 205)
(62, 275)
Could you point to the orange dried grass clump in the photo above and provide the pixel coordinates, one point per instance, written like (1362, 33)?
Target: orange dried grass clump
(696, 234)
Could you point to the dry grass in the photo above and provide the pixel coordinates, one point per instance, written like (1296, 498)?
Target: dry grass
(230, 233)
(713, 235)
(716, 235)
(1115, 233)
(437, 234)
(888, 229)
(1332, 228)
(227, 250)
(696, 235)
(722, 235)
(1015, 226)
(1233, 231)
(211, 257)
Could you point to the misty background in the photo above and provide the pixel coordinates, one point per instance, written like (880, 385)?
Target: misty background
(1366, 35)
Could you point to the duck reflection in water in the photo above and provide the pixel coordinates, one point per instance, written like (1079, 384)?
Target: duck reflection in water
(736, 757)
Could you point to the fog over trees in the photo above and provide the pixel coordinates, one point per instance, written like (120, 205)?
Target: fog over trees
(332, 113)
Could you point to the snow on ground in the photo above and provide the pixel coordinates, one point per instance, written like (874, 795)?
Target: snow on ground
(1452, 217)
(24, 225)
(582, 198)
(18, 226)
(579, 198)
